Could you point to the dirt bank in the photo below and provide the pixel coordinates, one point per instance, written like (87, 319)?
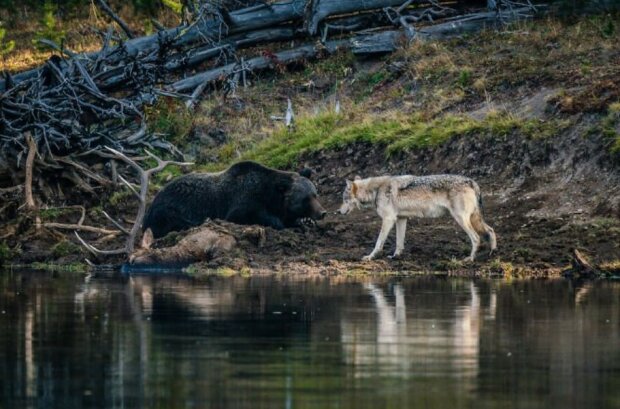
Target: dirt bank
(543, 197)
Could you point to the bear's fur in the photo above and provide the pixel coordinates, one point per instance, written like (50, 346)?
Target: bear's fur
(245, 193)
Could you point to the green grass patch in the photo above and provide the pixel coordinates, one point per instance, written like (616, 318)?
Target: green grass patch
(397, 133)
(61, 268)
(121, 196)
(65, 248)
(171, 118)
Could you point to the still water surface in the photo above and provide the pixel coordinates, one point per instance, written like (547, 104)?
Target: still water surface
(69, 341)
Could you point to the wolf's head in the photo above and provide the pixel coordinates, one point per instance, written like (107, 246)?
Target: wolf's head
(350, 198)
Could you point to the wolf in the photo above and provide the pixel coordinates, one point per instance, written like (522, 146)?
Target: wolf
(397, 198)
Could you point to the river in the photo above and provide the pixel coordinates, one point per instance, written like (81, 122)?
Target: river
(73, 341)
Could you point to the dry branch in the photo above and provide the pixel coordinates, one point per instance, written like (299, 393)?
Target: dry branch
(144, 185)
(32, 151)
(106, 8)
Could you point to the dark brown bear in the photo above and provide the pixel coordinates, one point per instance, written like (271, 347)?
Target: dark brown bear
(245, 193)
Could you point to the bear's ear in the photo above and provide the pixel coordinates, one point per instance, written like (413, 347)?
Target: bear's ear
(306, 172)
(147, 239)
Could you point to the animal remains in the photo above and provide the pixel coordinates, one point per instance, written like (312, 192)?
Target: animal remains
(397, 198)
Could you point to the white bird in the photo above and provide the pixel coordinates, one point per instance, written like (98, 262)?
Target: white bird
(290, 116)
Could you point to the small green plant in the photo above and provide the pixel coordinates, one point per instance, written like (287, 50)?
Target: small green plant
(610, 124)
(608, 29)
(5, 252)
(5, 46)
(171, 118)
(50, 30)
(174, 5)
(64, 248)
(464, 80)
(120, 197)
(376, 78)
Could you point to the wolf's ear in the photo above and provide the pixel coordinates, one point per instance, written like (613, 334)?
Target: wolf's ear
(358, 177)
(147, 239)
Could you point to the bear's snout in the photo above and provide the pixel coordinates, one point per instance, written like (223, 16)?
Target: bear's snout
(318, 213)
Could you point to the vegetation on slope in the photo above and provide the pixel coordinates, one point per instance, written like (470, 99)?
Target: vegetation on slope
(396, 131)
(426, 94)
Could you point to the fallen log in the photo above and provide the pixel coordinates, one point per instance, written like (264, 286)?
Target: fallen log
(322, 9)
(472, 22)
(118, 76)
(252, 18)
(257, 63)
(363, 44)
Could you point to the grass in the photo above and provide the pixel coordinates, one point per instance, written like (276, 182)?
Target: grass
(396, 131)
(65, 248)
(611, 126)
(24, 26)
(62, 268)
(170, 118)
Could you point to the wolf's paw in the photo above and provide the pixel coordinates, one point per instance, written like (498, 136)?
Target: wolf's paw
(368, 257)
(468, 260)
(395, 256)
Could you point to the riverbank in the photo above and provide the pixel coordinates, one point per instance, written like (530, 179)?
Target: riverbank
(531, 113)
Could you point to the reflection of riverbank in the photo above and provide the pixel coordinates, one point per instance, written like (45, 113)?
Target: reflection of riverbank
(262, 342)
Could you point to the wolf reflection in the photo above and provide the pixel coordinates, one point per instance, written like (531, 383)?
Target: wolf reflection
(402, 346)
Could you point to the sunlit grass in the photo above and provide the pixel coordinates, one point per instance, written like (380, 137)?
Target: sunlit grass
(397, 132)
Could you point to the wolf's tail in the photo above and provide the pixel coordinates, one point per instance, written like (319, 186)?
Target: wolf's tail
(477, 220)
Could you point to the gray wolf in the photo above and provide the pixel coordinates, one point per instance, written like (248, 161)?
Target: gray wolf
(397, 198)
(245, 193)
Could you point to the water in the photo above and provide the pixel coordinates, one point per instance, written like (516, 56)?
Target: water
(67, 341)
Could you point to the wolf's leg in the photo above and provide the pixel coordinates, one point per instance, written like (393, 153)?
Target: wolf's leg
(484, 230)
(401, 227)
(464, 221)
(386, 227)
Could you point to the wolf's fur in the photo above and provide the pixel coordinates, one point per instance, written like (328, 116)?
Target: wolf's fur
(397, 198)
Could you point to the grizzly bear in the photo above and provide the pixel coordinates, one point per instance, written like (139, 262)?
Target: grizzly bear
(245, 193)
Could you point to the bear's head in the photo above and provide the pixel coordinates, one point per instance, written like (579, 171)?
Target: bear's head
(302, 202)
